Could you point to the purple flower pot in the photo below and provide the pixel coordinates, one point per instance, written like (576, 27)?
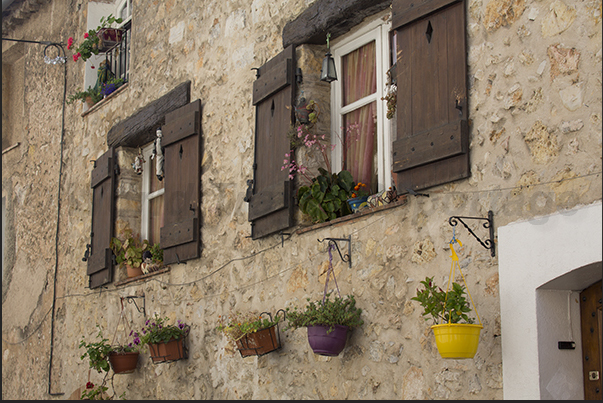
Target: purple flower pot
(330, 344)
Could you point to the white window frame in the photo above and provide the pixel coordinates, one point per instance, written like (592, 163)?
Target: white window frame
(146, 186)
(127, 4)
(378, 31)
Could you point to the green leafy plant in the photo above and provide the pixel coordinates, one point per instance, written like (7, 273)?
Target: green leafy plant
(128, 248)
(446, 309)
(91, 42)
(326, 198)
(237, 325)
(340, 311)
(98, 352)
(359, 190)
(94, 392)
(82, 95)
(156, 253)
(157, 330)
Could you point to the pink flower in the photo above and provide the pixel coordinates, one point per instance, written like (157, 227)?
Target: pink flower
(86, 35)
(69, 42)
(75, 57)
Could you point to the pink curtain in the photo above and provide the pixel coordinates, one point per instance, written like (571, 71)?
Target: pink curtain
(358, 81)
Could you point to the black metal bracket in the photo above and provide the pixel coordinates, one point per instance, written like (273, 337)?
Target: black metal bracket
(348, 256)
(87, 253)
(131, 299)
(282, 234)
(488, 243)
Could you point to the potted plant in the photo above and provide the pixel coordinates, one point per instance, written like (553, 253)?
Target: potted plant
(166, 342)
(322, 196)
(328, 322)
(456, 335)
(128, 250)
(97, 40)
(252, 334)
(102, 356)
(90, 97)
(152, 259)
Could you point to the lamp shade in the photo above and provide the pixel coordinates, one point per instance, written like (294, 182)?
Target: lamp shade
(328, 72)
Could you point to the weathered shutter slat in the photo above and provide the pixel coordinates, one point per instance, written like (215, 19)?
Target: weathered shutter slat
(180, 236)
(102, 180)
(431, 128)
(271, 204)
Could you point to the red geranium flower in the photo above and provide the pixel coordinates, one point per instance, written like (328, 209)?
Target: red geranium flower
(69, 42)
(89, 385)
(86, 35)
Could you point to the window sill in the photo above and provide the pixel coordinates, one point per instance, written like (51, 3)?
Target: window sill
(402, 200)
(143, 277)
(103, 101)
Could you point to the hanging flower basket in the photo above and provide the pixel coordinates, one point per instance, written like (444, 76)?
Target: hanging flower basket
(123, 363)
(259, 343)
(327, 343)
(457, 340)
(173, 350)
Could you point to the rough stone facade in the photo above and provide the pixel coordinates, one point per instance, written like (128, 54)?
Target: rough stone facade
(535, 142)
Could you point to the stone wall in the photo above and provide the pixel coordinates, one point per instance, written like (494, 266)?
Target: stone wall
(535, 134)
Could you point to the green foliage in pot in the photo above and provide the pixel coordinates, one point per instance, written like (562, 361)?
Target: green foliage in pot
(128, 248)
(238, 324)
(326, 198)
(340, 311)
(443, 309)
(82, 95)
(98, 352)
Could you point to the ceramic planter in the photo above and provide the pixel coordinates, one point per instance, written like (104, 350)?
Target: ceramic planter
(457, 340)
(357, 203)
(327, 343)
(259, 343)
(171, 351)
(123, 363)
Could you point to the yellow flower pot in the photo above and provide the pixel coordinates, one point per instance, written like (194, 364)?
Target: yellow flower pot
(457, 340)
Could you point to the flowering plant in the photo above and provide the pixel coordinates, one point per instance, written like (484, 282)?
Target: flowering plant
(90, 45)
(237, 325)
(157, 330)
(323, 196)
(359, 190)
(98, 352)
(448, 309)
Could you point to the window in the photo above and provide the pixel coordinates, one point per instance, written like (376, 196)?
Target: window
(124, 11)
(358, 115)
(152, 198)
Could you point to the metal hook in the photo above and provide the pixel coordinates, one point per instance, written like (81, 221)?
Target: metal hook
(130, 299)
(488, 243)
(333, 241)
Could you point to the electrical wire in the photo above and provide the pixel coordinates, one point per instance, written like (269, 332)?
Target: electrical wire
(382, 218)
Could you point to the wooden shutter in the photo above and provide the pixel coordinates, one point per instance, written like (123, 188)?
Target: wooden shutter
(271, 202)
(432, 145)
(100, 261)
(180, 235)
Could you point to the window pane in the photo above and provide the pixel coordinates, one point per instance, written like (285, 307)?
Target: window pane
(155, 218)
(359, 73)
(156, 184)
(360, 148)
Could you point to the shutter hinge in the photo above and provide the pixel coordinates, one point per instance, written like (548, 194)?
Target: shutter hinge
(87, 253)
(249, 192)
(116, 169)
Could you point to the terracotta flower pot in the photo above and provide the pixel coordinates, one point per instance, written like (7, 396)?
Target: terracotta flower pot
(327, 343)
(89, 101)
(259, 343)
(171, 351)
(133, 271)
(123, 363)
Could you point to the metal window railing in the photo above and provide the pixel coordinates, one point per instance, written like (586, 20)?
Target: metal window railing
(118, 57)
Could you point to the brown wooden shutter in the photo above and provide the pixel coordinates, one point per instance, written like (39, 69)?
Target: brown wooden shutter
(180, 235)
(100, 262)
(271, 202)
(432, 145)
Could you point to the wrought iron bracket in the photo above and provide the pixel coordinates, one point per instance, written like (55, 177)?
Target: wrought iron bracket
(131, 299)
(282, 234)
(488, 243)
(333, 241)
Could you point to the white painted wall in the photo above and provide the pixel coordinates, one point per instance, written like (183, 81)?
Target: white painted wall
(532, 254)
